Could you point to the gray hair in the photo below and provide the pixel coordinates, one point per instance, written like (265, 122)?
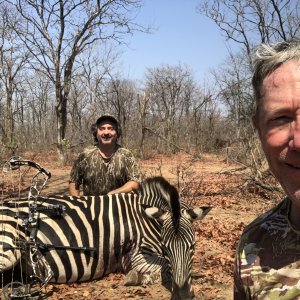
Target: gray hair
(271, 57)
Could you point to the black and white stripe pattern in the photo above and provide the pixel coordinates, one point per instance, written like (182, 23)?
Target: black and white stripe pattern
(144, 234)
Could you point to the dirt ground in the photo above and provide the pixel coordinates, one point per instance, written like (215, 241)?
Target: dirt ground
(206, 181)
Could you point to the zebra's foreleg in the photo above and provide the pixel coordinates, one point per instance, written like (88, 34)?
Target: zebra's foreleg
(146, 269)
(135, 277)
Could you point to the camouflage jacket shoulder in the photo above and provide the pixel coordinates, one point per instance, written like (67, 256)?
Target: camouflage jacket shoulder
(92, 150)
(267, 264)
(281, 209)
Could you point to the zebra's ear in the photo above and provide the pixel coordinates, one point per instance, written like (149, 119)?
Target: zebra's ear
(156, 213)
(197, 213)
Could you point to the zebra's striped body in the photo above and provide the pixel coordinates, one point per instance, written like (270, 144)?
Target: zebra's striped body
(142, 235)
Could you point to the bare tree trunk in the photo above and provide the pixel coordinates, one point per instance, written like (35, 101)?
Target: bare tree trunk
(143, 103)
(8, 121)
(61, 110)
(61, 114)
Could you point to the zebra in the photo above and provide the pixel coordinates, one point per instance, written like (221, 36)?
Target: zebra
(147, 235)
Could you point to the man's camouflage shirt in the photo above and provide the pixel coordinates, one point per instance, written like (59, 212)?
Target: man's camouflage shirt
(267, 264)
(99, 176)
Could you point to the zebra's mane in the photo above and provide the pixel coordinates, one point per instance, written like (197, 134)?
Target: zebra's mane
(157, 191)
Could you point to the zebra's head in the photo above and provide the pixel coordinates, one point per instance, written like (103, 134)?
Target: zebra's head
(178, 240)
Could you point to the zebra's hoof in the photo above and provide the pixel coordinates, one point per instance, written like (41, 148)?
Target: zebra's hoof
(133, 278)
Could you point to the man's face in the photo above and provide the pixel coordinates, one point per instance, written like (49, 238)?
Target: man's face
(107, 133)
(278, 124)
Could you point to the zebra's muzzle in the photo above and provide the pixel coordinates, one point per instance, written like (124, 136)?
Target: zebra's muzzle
(185, 292)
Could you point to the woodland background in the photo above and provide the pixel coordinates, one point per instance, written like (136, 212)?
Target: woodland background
(58, 74)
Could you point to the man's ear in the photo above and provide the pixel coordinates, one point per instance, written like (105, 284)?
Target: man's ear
(255, 118)
(254, 121)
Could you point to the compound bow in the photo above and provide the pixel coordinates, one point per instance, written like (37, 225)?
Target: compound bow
(41, 270)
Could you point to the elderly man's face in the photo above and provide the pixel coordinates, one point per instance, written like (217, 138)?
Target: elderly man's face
(278, 124)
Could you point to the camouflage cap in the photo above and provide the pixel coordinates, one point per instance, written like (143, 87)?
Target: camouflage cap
(108, 117)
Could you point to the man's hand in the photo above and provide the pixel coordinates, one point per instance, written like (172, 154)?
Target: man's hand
(128, 187)
(72, 189)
